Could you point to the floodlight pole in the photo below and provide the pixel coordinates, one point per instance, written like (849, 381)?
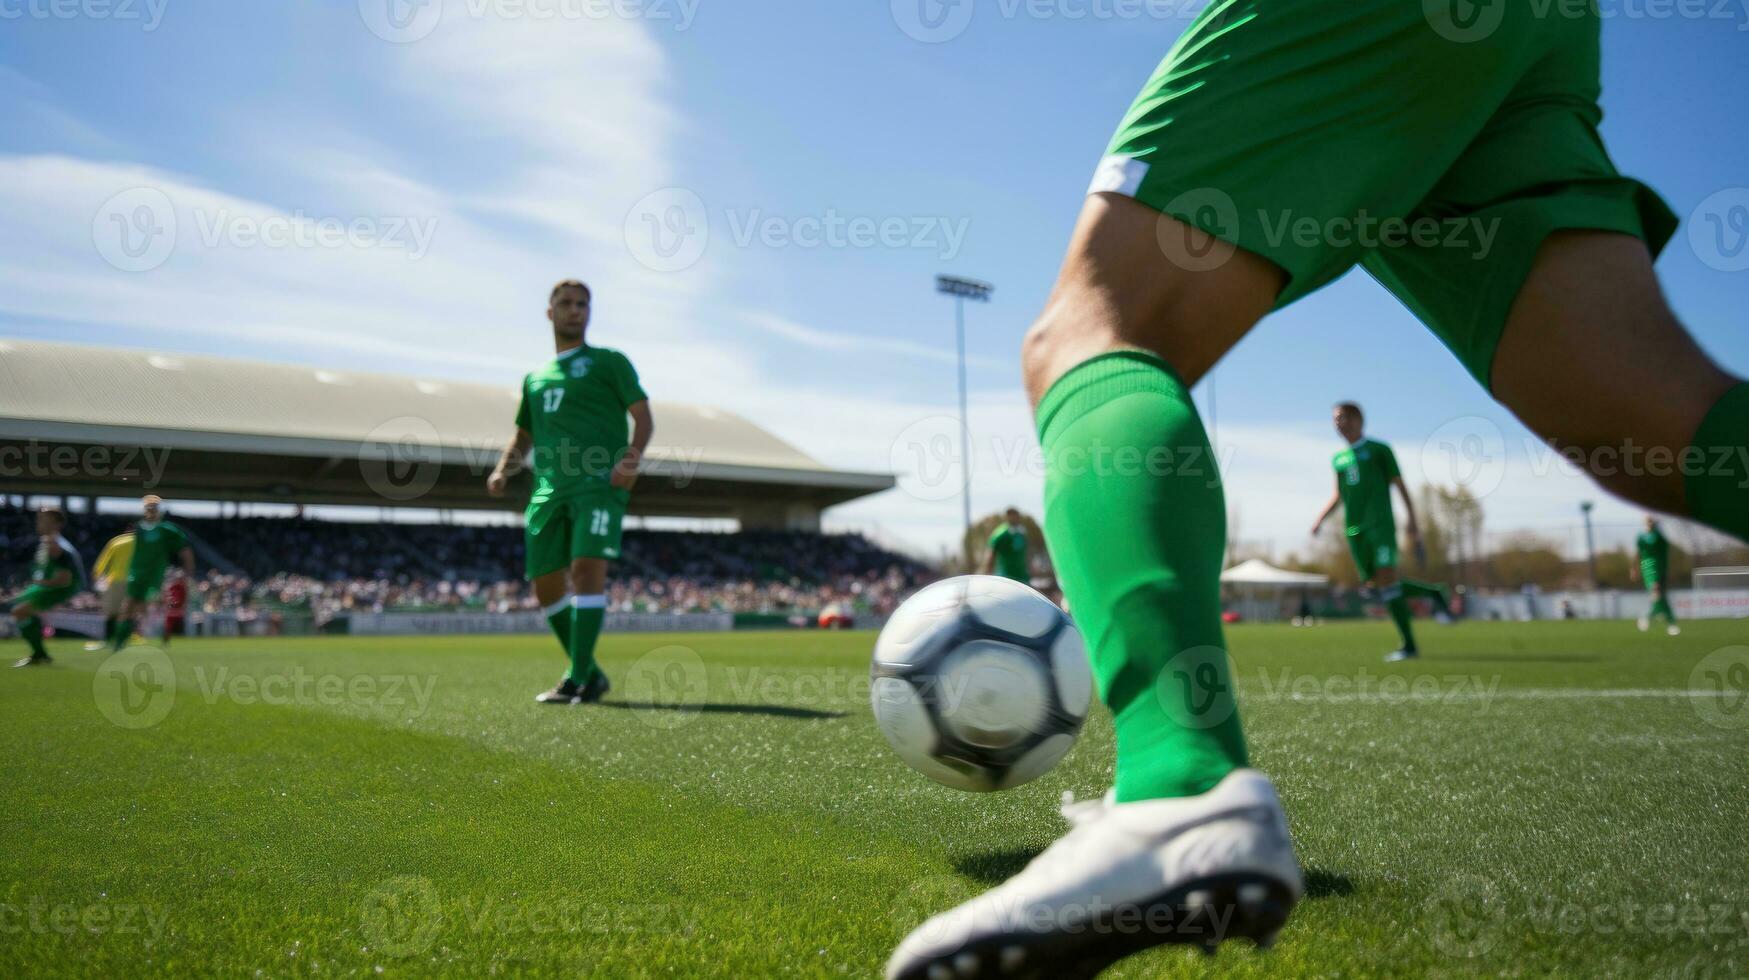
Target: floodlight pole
(962, 290)
(1590, 544)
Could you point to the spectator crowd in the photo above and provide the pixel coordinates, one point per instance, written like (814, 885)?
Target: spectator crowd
(330, 568)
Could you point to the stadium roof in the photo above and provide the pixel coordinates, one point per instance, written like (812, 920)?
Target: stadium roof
(251, 430)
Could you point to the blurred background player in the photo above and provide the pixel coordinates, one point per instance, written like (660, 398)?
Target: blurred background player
(1007, 554)
(573, 418)
(175, 603)
(110, 579)
(1365, 473)
(1654, 551)
(56, 575)
(156, 542)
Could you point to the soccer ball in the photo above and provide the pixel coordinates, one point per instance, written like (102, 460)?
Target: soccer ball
(980, 683)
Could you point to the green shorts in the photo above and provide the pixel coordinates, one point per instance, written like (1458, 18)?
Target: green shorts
(1652, 575)
(145, 588)
(1436, 143)
(1373, 550)
(580, 526)
(42, 598)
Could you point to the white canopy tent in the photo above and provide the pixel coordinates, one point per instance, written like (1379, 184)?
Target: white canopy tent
(1259, 590)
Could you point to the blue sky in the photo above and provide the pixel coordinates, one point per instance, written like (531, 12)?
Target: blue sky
(491, 146)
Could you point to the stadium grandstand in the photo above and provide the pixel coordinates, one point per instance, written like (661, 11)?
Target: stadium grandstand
(84, 423)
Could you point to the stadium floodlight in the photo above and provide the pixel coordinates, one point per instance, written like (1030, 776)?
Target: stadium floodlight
(962, 290)
(1590, 544)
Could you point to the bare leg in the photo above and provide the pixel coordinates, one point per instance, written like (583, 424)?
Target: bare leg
(1119, 288)
(1593, 360)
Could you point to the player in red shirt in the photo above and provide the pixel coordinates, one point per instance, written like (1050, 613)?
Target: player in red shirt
(175, 607)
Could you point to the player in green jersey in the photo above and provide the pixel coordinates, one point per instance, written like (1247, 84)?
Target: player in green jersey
(1654, 569)
(1007, 554)
(1450, 148)
(1366, 472)
(156, 543)
(571, 427)
(56, 575)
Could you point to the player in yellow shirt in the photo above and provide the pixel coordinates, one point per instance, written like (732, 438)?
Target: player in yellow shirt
(110, 579)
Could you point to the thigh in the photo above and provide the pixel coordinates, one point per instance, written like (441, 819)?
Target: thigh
(546, 539)
(589, 576)
(1593, 359)
(595, 526)
(1117, 289)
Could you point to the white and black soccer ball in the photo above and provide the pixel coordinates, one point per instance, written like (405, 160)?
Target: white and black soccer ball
(980, 683)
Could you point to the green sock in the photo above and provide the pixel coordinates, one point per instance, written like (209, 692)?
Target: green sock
(1423, 590)
(559, 618)
(1718, 487)
(1137, 525)
(32, 630)
(1661, 607)
(587, 612)
(1399, 608)
(118, 637)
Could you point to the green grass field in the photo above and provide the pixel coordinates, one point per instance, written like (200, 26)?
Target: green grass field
(1534, 799)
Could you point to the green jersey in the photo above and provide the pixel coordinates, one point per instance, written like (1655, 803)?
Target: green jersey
(1364, 472)
(45, 567)
(154, 546)
(1008, 544)
(575, 408)
(1654, 551)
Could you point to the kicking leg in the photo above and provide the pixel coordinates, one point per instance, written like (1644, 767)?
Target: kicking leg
(1593, 360)
(1136, 522)
(30, 626)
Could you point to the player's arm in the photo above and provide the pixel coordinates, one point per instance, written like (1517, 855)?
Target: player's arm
(1329, 508)
(187, 556)
(509, 462)
(625, 472)
(987, 565)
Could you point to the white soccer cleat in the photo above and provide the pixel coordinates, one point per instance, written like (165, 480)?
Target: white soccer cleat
(1674, 630)
(1126, 877)
(1645, 623)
